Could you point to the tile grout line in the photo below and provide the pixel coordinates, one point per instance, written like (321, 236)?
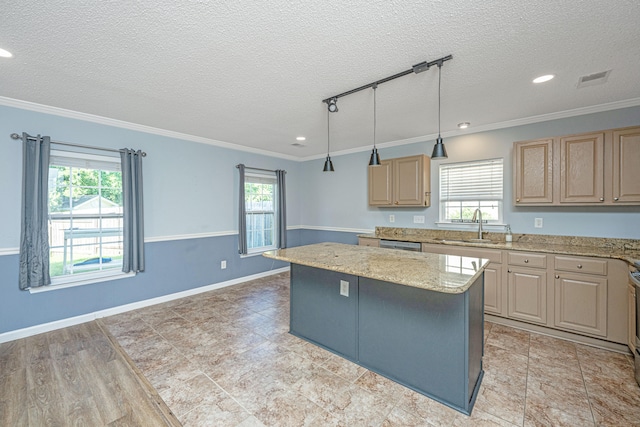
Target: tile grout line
(586, 389)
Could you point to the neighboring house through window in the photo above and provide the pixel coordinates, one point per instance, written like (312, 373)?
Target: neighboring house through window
(260, 203)
(465, 187)
(85, 216)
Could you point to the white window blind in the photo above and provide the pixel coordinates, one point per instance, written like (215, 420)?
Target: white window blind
(480, 180)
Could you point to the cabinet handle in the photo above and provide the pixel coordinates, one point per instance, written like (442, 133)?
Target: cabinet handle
(508, 271)
(517, 200)
(397, 203)
(526, 261)
(615, 198)
(557, 276)
(602, 199)
(579, 266)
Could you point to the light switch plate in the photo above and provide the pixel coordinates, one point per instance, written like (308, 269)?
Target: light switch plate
(418, 219)
(537, 223)
(392, 218)
(344, 288)
(223, 264)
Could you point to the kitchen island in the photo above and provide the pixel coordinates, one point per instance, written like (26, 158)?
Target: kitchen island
(416, 318)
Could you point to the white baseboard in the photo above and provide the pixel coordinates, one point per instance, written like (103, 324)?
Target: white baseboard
(71, 321)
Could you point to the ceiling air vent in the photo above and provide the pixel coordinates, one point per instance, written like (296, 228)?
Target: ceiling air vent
(594, 79)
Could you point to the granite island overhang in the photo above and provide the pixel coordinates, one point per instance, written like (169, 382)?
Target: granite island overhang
(415, 318)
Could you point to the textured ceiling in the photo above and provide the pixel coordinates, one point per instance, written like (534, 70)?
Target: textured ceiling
(254, 73)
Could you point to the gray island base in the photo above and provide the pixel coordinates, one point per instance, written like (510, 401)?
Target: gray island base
(427, 337)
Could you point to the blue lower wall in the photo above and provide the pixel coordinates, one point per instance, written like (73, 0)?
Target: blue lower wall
(171, 266)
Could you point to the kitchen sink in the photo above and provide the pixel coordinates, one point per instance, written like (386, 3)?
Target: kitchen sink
(485, 241)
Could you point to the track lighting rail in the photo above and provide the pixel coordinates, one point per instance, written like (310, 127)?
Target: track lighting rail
(418, 68)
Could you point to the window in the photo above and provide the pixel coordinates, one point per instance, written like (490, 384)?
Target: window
(465, 187)
(260, 205)
(85, 216)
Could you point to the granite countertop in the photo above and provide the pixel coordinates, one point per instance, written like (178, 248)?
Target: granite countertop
(415, 269)
(625, 249)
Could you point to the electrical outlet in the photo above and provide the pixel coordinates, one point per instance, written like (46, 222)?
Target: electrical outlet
(392, 218)
(537, 223)
(344, 288)
(223, 264)
(418, 219)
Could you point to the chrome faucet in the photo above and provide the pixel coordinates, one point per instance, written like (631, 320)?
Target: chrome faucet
(478, 214)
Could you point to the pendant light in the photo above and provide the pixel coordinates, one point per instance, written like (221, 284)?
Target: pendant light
(438, 150)
(375, 157)
(328, 164)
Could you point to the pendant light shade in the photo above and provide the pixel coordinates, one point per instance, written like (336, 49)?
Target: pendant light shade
(374, 160)
(328, 164)
(438, 150)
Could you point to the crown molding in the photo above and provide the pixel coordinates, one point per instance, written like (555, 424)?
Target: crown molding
(70, 114)
(627, 103)
(40, 108)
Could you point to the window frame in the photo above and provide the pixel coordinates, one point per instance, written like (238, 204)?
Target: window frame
(273, 180)
(83, 278)
(443, 203)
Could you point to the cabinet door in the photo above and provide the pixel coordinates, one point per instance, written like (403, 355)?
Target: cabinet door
(380, 185)
(631, 338)
(533, 169)
(626, 173)
(581, 303)
(528, 294)
(409, 181)
(493, 289)
(582, 169)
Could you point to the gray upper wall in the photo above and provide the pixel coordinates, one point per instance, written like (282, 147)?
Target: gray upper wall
(339, 199)
(190, 188)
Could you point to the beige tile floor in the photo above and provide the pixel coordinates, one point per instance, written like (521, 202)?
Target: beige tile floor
(225, 358)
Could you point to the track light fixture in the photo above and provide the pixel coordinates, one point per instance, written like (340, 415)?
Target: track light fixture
(375, 157)
(332, 105)
(438, 150)
(328, 164)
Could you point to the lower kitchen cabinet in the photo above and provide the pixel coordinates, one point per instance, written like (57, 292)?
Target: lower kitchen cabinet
(494, 294)
(527, 288)
(581, 303)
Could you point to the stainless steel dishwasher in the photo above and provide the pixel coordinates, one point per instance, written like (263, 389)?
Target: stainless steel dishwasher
(403, 246)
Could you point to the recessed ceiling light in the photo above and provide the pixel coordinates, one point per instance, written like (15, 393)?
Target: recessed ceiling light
(464, 125)
(544, 78)
(301, 138)
(5, 53)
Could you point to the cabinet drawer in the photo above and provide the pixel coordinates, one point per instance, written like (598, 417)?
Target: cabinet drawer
(369, 241)
(527, 259)
(581, 265)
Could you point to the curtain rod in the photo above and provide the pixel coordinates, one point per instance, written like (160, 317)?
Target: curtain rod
(418, 68)
(17, 136)
(257, 169)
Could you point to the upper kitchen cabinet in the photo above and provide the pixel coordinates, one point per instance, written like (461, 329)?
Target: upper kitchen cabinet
(533, 172)
(582, 169)
(626, 173)
(598, 168)
(401, 182)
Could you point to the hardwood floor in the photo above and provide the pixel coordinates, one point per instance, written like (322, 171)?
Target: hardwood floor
(75, 376)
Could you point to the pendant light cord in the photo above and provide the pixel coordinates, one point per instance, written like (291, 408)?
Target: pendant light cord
(439, 85)
(374, 114)
(328, 133)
